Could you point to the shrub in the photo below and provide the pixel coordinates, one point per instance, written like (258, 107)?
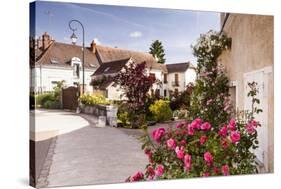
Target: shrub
(182, 100)
(43, 98)
(50, 104)
(161, 110)
(89, 99)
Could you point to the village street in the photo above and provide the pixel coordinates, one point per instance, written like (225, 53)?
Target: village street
(81, 153)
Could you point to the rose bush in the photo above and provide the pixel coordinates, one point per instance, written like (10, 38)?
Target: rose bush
(179, 153)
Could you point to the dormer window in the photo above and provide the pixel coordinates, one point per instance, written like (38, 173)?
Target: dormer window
(76, 64)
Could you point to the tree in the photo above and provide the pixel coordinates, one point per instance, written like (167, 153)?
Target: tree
(135, 83)
(210, 98)
(157, 51)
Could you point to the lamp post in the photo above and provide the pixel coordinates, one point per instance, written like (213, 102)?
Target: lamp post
(74, 40)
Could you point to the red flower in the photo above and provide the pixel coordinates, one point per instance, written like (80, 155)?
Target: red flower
(225, 170)
(223, 131)
(224, 143)
(157, 134)
(203, 139)
(180, 152)
(171, 143)
(206, 174)
(137, 176)
(232, 124)
(187, 162)
(208, 158)
(159, 170)
(235, 136)
(206, 126)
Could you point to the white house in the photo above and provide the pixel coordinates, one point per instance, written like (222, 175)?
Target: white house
(53, 61)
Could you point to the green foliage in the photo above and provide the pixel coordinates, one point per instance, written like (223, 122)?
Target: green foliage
(210, 98)
(157, 51)
(89, 99)
(161, 110)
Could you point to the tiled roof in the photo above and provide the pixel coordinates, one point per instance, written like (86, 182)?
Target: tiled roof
(111, 67)
(108, 54)
(60, 54)
(177, 67)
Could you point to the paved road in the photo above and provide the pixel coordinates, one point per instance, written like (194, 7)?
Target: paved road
(85, 154)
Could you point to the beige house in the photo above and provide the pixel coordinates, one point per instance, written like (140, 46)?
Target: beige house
(250, 58)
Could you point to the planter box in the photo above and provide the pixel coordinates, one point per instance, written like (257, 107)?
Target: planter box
(107, 111)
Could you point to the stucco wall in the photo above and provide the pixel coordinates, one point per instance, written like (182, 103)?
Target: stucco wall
(251, 50)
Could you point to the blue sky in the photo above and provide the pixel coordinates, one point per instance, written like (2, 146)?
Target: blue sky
(127, 27)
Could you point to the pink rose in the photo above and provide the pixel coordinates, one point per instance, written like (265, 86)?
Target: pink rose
(216, 170)
(203, 139)
(180, 124)
(159, 170)
(157, 134)
(180, 152)
(209, 101)
(171, 143)
(138, 176)
(223, 131)
(190, 130)
(254, 123)
(206, 174)
(183, 142)
(150, 171)
(195, 124)
(232, 124)
(208, 158)
(225, 170)
(206, 126)
(187, 162)
(250, 128)
(235, 136)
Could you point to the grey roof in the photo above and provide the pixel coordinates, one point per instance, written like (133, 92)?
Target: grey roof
(177, 67)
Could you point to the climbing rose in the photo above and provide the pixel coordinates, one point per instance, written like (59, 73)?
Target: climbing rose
(208, 158)
(250, 128)
(159, 170)
(203, 139)
(180, 124)
(235, 136)
(157, 134)
(180, 152)
(232, 125)
(187, 161)
(171, 143)
(138, 176)
(225, 170)
(206, 126)
(216, 170)
(223, 131)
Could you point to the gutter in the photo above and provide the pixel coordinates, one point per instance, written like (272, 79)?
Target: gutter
(224, 22)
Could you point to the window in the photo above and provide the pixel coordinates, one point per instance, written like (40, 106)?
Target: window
(152, 75)
(165, 92)
(76, 70)
(157, 93)
(176, 79)
(165, 78)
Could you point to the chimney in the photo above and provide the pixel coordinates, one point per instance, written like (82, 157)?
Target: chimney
(93, 46)
(46, 40)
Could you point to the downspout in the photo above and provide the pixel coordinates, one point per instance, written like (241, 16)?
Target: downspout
(224, 22)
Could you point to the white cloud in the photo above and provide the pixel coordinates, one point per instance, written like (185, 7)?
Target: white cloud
(97, 41)
(136, 34)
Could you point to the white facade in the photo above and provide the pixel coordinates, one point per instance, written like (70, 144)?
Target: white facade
(46, 77)
(188, 76)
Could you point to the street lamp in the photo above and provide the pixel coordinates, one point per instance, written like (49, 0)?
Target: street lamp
(73, 37)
